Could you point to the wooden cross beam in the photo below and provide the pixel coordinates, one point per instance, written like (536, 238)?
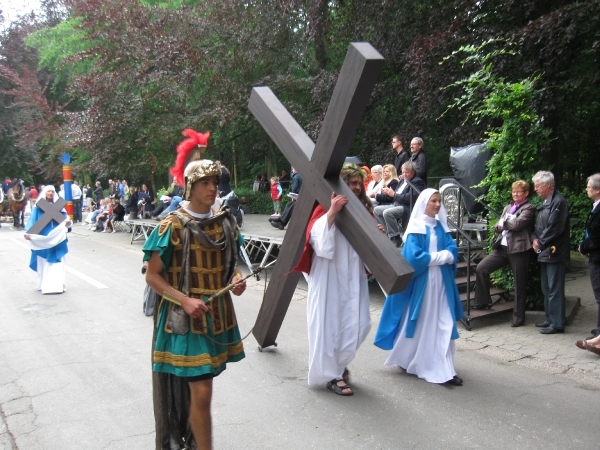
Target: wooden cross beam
(319, 166)
(52, 211)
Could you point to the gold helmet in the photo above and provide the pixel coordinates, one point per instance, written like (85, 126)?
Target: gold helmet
(196, 170)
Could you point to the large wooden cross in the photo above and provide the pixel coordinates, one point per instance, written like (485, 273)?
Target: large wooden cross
(319, 166)
(52, 211)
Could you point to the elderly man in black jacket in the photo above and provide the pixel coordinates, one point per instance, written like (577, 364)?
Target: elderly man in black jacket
(418, 157)
(404, 199)
(551, 243)
(590, 245)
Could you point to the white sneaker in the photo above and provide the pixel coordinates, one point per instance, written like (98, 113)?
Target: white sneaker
(114, 231)
(104, 231)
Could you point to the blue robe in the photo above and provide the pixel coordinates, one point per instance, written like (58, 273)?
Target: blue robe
(51, 255)
(416, 253)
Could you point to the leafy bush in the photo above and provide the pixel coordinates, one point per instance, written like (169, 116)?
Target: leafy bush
(579, 207)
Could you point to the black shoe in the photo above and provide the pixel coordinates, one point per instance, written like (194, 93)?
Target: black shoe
(551, 330)
(280, 226)
(455, 381)
(595, 332)
(397, 240)
(275, 223)
(517, 324)
(544, 324)
(478, 307)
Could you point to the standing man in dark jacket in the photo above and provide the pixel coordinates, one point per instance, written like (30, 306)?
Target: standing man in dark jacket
(551, 242)
(98, 192)
(590, 246)
(418, 157)
(401, 155)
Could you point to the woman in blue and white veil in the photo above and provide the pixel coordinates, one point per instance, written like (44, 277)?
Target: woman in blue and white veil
(418, 325)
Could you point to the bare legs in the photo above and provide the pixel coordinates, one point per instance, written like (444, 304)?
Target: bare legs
(200, 417)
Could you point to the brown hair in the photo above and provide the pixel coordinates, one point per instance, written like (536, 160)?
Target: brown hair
(350, 171)
(521, 184)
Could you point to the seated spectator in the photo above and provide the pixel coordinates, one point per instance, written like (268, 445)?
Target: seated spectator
(404, 199)
(91, 217)
(103, 216)
(376, 182)
(118, 214)
(173, 194)
(390, 180)
(101, 210)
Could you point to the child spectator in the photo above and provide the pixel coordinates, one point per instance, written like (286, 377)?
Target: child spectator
(276, 194)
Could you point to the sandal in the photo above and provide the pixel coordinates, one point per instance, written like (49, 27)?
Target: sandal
(590, 348)
(593, 349)
(346, 375)
(335, 386)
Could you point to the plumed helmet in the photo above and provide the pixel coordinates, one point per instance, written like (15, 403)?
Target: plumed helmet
(190, 164)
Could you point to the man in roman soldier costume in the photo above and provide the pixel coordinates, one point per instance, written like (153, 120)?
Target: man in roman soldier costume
(192, 255)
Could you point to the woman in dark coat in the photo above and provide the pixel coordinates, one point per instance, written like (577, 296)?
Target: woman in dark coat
(132, 203)
(512, 247)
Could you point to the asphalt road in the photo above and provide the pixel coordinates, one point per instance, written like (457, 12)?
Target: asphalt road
(75, 374)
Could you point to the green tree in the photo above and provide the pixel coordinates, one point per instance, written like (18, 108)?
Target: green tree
(516, 135)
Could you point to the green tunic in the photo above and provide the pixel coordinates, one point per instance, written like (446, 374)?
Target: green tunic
(203, 348)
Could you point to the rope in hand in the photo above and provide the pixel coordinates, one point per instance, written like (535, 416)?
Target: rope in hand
(223, 291)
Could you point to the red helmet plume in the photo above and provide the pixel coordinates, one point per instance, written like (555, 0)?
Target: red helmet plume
(195, 141)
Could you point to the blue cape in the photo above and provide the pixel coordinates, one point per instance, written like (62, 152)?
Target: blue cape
(52, 255)
(412, 296)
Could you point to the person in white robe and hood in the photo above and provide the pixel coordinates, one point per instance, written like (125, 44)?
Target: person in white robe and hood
(418, 325)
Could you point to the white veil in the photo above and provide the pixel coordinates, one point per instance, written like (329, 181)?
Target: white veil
(42, 195)
(416, 224)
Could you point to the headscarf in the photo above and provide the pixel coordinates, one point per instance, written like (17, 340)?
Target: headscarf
(416, 224)
(42, 195)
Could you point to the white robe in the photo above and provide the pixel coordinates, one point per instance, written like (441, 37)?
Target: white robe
(337, 305)
(430, 353)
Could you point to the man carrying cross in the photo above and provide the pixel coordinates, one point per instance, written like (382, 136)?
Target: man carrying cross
(338, 293)
(192, 255)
